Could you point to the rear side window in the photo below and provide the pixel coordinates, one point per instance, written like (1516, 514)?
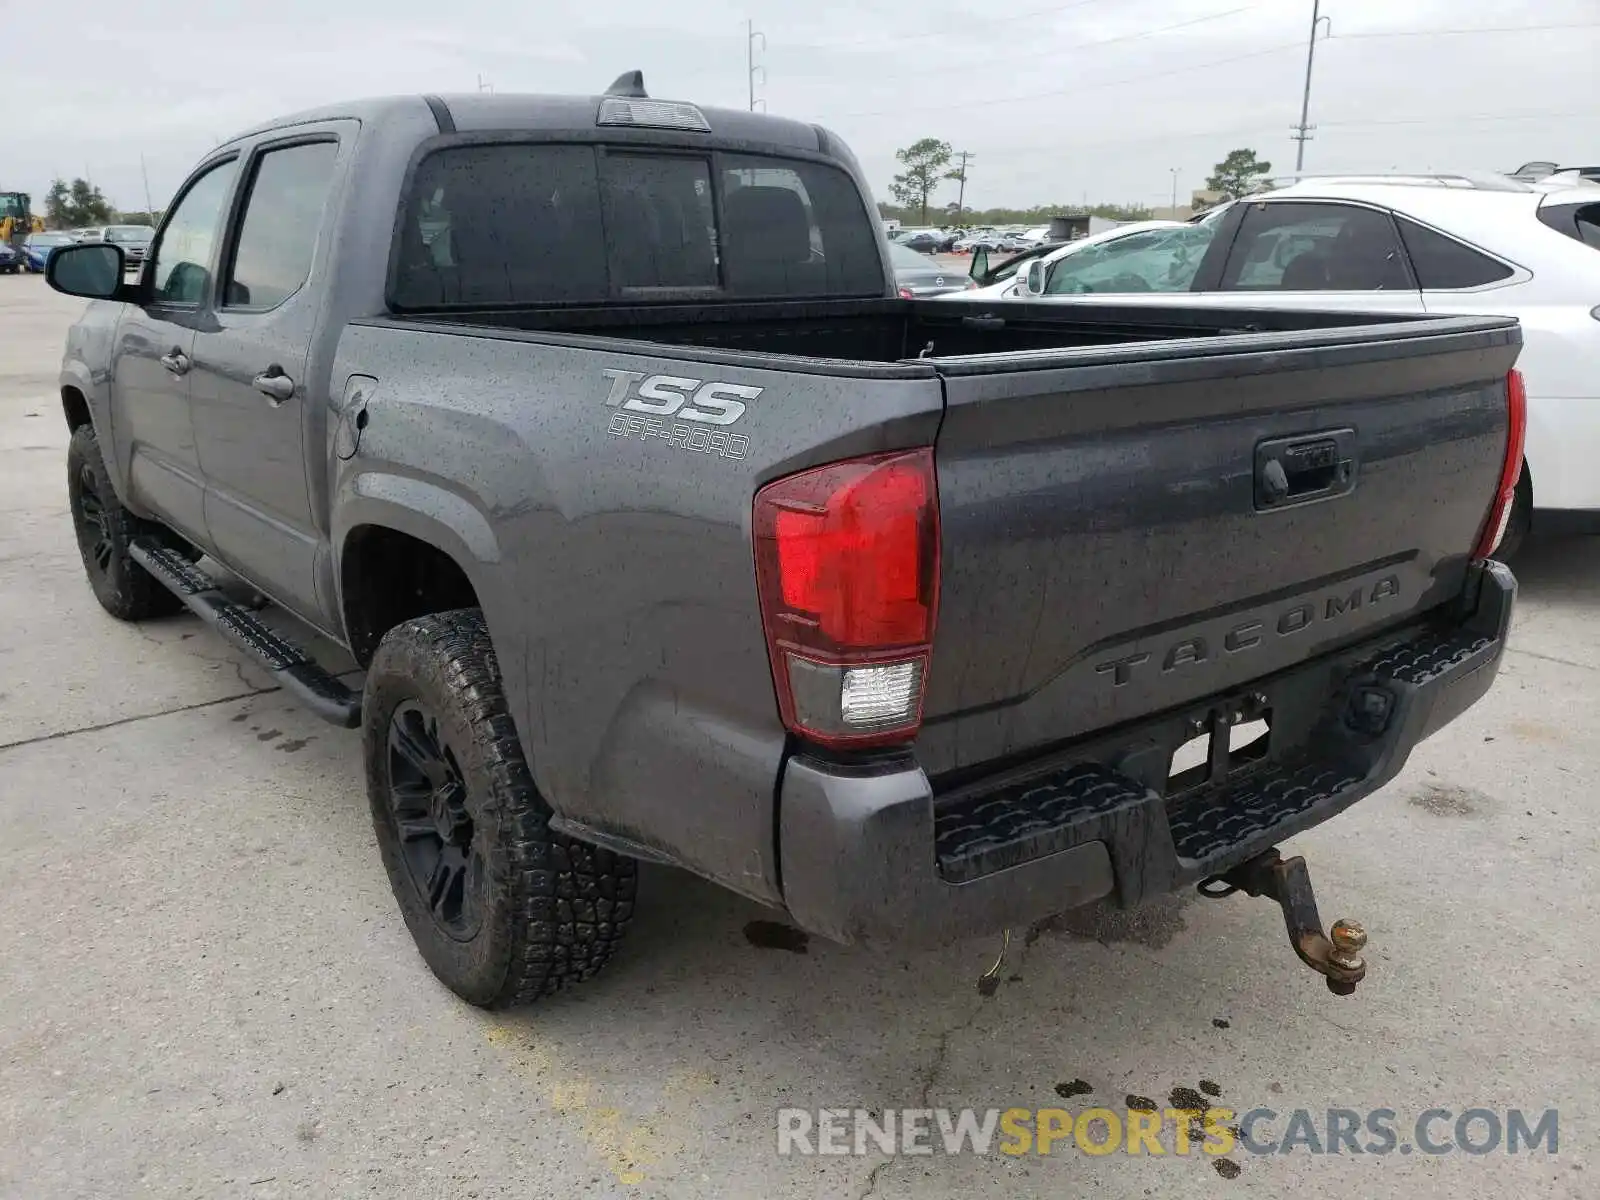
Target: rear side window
(1295, 247)
(1442, 263)
(528, 224)
(282, 218)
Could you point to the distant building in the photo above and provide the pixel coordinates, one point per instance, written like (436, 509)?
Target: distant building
(1198, 202)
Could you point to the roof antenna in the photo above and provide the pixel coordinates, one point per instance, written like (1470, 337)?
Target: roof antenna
(629, 83)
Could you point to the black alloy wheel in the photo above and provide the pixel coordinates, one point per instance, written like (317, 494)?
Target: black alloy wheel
(432, 814)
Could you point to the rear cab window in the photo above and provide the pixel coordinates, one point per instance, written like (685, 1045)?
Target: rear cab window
(583, 224)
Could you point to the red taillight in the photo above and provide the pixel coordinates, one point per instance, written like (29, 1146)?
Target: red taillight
(847, 567)
(1516, 434)
(906, 294)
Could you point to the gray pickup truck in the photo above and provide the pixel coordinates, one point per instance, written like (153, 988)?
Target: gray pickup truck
(665, 531)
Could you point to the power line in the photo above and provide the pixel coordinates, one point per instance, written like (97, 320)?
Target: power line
(1058, 50)
(1471, 118)
(1077, 91)
(897, 39)
(1345, 37)
(1192, 135)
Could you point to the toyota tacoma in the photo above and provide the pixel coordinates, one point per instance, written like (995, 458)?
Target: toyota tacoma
(665, 530)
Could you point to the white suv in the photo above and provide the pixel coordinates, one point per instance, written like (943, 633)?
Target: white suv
(1433, 244)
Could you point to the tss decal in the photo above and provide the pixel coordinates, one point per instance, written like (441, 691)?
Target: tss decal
(708, 402)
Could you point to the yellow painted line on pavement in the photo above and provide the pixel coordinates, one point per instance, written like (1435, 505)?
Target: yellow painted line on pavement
(626, 1145)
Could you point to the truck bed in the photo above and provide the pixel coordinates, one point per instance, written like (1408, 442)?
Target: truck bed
(1104, 555)
(892, 331)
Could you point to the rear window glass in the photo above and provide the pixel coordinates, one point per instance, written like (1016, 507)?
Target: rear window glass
(1588, 222)
(1442, 263)
(520, 224)
(1580, 222)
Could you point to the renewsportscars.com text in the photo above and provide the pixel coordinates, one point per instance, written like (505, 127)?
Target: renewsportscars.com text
(1213, 1131)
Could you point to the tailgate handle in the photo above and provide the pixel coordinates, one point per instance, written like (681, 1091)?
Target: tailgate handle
(1304, 468)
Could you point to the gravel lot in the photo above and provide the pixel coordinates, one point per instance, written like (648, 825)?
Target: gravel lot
(205, 988)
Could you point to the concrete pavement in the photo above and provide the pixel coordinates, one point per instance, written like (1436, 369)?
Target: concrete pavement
(206, 990)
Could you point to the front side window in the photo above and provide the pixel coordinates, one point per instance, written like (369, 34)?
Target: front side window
(561, 224)
(1292, 247)
(184, 256)
(1158, 260)
(282, 219)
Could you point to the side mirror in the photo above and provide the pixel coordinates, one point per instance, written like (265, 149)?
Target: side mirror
(1033, 280)
(92, 270)
(980, 264)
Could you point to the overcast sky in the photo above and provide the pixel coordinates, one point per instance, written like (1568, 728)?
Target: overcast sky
(1096, 99)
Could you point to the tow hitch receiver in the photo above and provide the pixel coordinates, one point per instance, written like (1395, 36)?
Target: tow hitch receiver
(1336, 954)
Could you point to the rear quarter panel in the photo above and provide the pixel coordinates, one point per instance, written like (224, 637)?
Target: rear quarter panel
(612, 559)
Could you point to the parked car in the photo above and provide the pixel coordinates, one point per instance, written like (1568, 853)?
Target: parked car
(918, 277)
(11, 259)
(1003, 281)
(88, 234)
(924, 240)
(134, 240)
(38, 246)
(1439, 244)
(681, 538)
(979, 240)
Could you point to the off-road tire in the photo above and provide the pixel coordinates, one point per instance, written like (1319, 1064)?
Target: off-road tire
(550, 910)
(104, 528)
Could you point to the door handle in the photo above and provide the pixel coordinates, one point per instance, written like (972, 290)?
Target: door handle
(176, 361)
(274, 385)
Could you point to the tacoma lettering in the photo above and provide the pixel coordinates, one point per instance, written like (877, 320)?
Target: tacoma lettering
(1195, 649)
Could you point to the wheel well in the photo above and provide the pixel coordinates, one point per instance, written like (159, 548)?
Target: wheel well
(76, 408)
(388, 577)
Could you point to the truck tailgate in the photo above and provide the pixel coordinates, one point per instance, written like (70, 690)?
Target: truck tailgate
(1128, 529)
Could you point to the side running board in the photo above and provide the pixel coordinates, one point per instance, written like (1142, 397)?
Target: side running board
(292, 667)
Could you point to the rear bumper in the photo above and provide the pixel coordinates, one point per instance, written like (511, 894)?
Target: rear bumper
(872, 854)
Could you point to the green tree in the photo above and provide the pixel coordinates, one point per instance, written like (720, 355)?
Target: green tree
(924, 162)
(74, 205)
(1239, 174)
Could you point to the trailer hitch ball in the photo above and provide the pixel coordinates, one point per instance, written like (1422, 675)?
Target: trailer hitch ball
(1335, 955)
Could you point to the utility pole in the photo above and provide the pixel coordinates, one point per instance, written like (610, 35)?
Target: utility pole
(1302, 131)
(149, 208)
(961, 174)
(751, 67)
(485, 85)
(1174, 171)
